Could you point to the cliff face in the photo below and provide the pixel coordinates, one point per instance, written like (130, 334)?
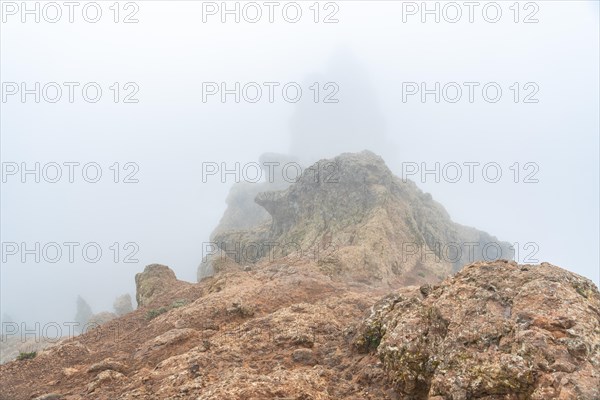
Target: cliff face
(359, 222)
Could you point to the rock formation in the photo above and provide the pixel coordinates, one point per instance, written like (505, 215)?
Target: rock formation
(242, 211)
(122, 305)
(494, 331)
(277, 172)
(358, 221)
(83, 313)
(326, 328)
(152, 284)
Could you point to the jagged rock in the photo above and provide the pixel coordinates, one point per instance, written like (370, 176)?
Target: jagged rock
(242, 211)
(495, 330)
(122, 304)
(359, 222)
(83, 313)
(154, 281)
(14, 344)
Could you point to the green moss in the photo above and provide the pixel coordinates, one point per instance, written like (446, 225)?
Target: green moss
(410, 370)
(583, 290)
(371, 338)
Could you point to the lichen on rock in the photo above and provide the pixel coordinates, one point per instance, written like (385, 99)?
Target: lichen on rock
(496, 330)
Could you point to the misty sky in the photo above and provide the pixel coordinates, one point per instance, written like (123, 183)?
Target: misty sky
(367, 58)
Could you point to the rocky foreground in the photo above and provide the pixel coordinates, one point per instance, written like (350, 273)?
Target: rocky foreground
(363, 317)
(495, 330)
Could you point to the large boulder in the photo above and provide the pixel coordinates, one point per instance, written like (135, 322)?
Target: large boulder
(494, 331)
(156, 280)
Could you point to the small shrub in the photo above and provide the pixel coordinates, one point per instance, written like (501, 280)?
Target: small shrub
(26, 356)
(179, 303)
(151, 314)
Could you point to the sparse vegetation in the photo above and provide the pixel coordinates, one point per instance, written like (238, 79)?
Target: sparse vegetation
(179, 303)
(151, 314)
(581, 290)
(26, 355)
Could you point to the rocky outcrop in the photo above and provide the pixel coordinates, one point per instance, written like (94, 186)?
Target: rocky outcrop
(242, 211)
(494, 331)
(359, 222)
(156, 280)
(122, 305)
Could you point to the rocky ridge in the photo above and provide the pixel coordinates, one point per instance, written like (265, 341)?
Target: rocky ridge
(357, 221)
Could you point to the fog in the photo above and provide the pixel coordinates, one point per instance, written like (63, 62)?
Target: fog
(369, 62)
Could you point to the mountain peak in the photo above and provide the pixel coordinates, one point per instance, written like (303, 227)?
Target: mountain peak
(357, 221)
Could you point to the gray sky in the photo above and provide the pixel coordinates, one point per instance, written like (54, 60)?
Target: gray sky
(368, 57)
